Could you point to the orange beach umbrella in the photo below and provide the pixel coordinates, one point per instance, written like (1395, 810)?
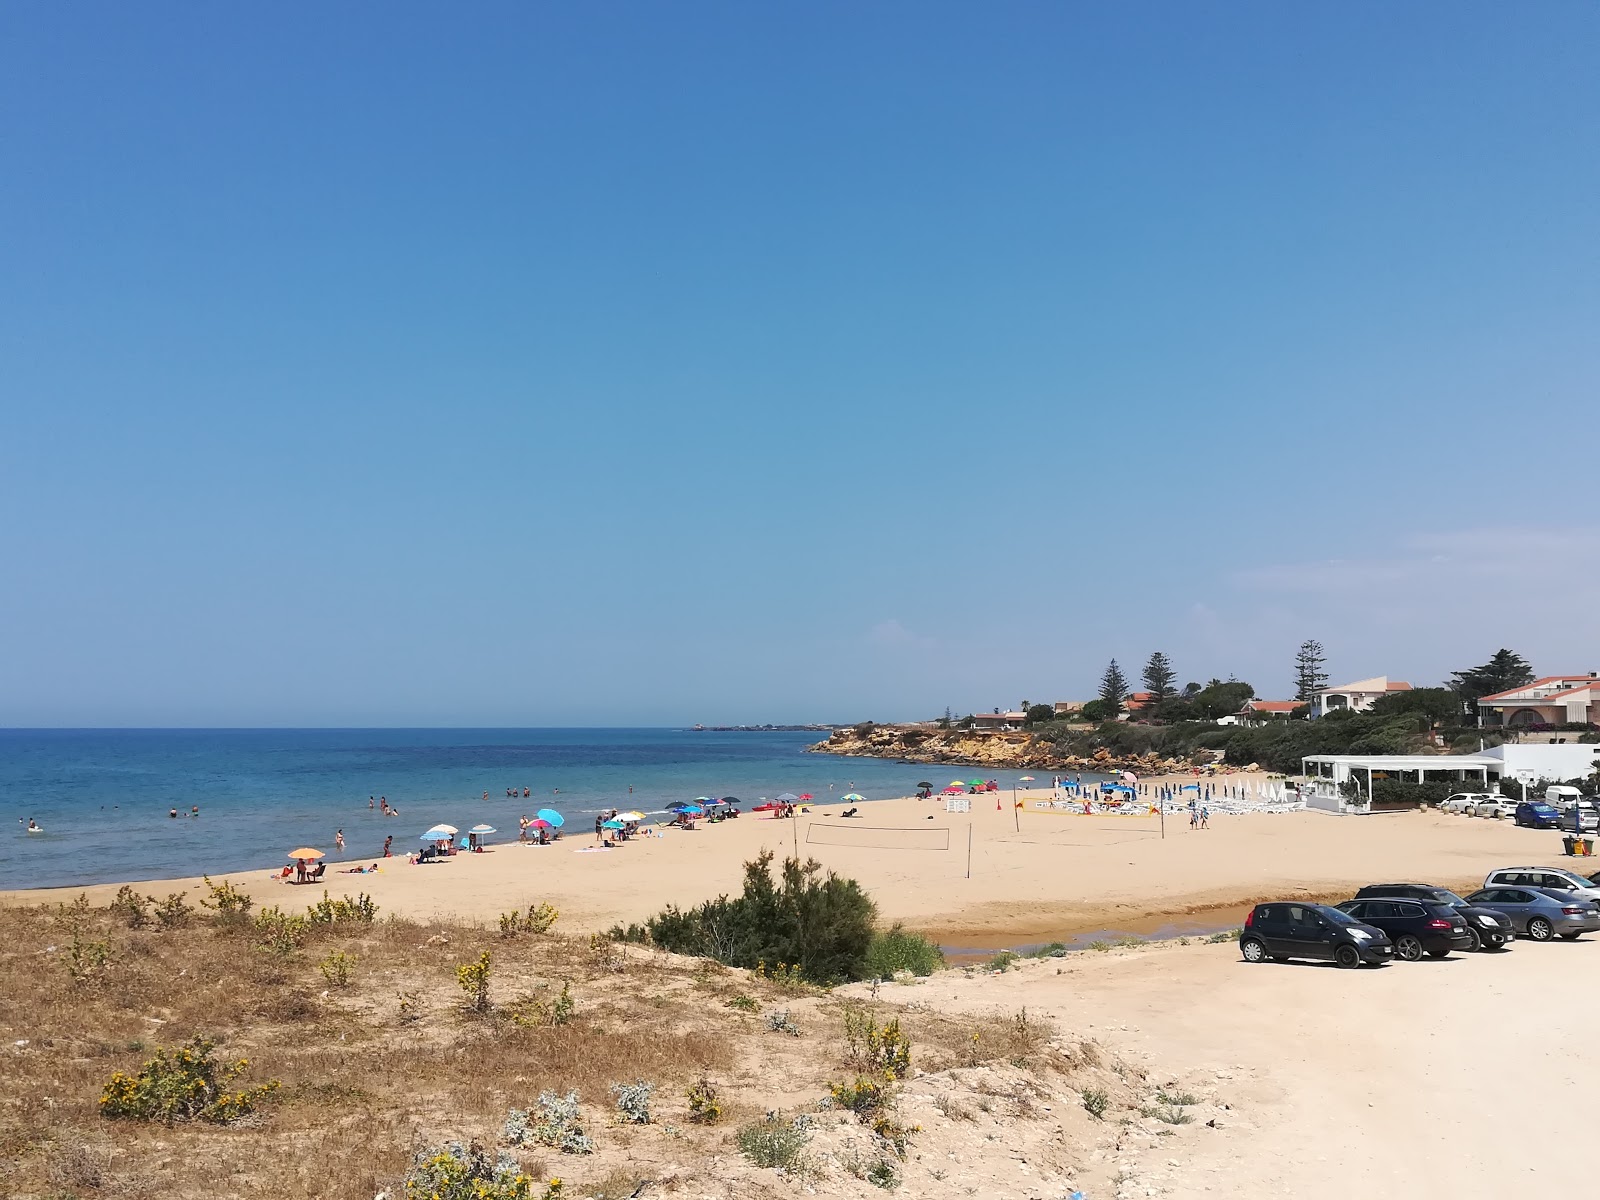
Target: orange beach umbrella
(305, 852)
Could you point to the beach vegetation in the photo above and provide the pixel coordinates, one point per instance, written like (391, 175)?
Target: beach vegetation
(130, 907)
(778, 1021)
(555, 1120)
(1113, 690)
(633, 1101)
(1038, 714)
(1160, 680)
(183, 1084)
(1095, 1102)
(874, 1049)
(743, 1003)
(457, 1172)
(538, 919)
(896, 949)
(775, 1143)
(337, 968)
(357, 910)
(705, 1102)
(473, 979)
(531, 1011)
(1050, 950)
(1003, 961)
(279, 933)
(231, 905)
(174, 912)
(816, 923)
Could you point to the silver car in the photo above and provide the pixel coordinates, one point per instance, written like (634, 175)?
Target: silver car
(1539, 913)
(1557, 879)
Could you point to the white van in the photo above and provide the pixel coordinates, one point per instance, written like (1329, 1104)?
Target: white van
(1562, 795)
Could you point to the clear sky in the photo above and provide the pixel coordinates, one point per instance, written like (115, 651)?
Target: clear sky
(643, 364)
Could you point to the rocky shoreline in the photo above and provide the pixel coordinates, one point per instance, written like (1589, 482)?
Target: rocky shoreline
(971, 748)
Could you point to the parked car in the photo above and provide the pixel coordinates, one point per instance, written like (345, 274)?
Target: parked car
(1493, 806)
(1536, 814)
(1416, 927)
(1462, 801)
(1281, 931)
(1556, 878)
(1490, 930)
(1589, 816)
(1539, 913)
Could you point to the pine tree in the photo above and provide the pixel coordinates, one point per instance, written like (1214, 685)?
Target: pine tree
(1160, 678)
(1309, 677)
(1113, 690)
(1501, 673)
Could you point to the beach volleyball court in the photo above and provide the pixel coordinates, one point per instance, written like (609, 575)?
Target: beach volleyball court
(878, 837)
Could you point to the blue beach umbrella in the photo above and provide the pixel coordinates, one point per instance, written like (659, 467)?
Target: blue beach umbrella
(480, 830)
(611, 824)
(788, 797)
(440, 832)
(679, 806)
(551, 815)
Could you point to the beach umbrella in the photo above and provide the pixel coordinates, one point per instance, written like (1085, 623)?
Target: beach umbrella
(539, 823)
(551, 815)
(703, 801)
(305, 852)
(853, 796)
(694, 809)
(480, 830)
(630, 816)
(788, 798)
(439, 832)
(730, 800)
(974, 783)
(1024, 778)
(805, 795)
(952, 790)
(960, 783)
(924, 783)
(679, 806)
(611, 824)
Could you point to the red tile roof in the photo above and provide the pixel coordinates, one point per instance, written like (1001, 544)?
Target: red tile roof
(1548, 679)
(1272, 705)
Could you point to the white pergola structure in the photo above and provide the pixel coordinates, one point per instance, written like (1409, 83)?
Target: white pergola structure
(1328, 773)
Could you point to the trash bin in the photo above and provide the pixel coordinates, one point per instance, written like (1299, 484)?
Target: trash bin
(1578, 847)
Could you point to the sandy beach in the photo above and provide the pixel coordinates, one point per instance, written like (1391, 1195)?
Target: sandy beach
(1034, 876)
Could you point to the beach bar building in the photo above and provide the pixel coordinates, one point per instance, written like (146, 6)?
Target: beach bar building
(1328, 774)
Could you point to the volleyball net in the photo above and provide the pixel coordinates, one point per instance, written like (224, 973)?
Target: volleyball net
(878, 837)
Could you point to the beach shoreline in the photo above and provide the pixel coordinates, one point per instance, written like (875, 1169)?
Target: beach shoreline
(988, 878)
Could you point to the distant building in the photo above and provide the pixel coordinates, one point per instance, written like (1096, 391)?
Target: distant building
(1553, 700)
(1355, 697)
(1134, 701)
(999, 720)
(1069, 708)
(1259, 712)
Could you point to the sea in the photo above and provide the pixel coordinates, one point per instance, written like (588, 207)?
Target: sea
(103, 797)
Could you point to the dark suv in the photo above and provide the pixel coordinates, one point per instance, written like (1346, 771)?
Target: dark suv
(1416, 927)
(1490, 930)
(1284, 930)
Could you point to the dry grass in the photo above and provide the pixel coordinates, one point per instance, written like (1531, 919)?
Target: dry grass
(362, 1090)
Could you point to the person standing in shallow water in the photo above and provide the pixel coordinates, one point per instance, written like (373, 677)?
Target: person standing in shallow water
(338, 840)
(387, 842)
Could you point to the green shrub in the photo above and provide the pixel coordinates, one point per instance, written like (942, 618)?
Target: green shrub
(186, 1084)
(894, 950)
(344, 911)
(279, 933)
(705, 1102)
(819, 923)
(473, 978)
(879, 1051)
(773, 1142)
(337, 967)
(1003, 961)
(633, 1101)
(557, 1123)
(1095, 1102)
(457, 1172)
(230, 904)
(173, 912)
(131, 907)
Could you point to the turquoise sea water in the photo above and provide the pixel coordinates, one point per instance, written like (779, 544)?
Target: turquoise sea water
(102, 796)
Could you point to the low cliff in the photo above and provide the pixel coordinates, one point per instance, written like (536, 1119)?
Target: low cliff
(1016, 750)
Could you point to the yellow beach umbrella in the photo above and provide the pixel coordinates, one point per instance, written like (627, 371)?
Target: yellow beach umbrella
(305, 852)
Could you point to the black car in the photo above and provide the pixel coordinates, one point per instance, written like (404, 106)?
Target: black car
(1416, 927)
(1284, 930)
(1490, 930)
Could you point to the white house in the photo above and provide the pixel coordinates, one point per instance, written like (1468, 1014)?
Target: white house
(1357, 697)
(1552, 763)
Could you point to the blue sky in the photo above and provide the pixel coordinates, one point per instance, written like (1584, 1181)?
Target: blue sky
(396, 364)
